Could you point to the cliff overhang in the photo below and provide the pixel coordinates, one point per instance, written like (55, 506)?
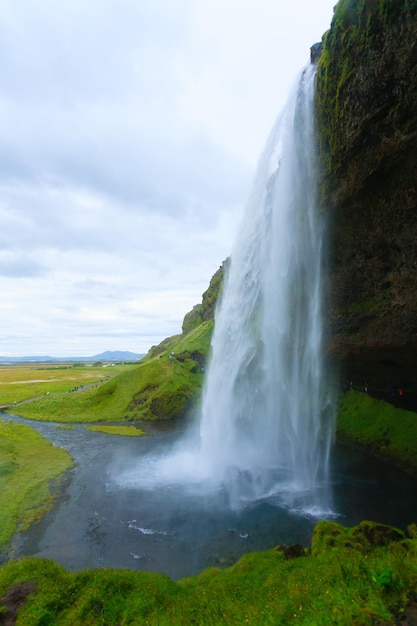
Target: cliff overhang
(367, 132)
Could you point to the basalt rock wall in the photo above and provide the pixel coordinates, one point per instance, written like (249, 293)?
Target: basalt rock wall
(367, 126)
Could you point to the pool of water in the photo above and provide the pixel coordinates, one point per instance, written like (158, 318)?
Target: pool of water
(100, 519)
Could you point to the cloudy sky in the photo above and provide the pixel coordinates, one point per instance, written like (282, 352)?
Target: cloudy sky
(129, 136)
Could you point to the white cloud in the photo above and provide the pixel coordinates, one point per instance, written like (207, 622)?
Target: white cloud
(130, 133)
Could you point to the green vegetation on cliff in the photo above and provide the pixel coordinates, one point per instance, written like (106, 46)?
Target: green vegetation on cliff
(30, 471)
(363, 575)
(367, 77)
(205, 311)
(367, 128)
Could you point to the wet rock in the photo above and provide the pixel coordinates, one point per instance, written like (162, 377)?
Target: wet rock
(315, 52)
(378, 534)
(409, 617)
(293, 551)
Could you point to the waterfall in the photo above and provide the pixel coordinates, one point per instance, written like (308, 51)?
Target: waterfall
(265, 429)
(266, 422)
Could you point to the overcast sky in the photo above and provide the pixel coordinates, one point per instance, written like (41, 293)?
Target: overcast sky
(129, 136)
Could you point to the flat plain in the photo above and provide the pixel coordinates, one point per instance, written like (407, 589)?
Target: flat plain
(23, 382)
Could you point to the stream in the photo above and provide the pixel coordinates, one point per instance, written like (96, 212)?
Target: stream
(100, 521)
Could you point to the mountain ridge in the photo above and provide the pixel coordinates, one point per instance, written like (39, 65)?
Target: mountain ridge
(108, 355)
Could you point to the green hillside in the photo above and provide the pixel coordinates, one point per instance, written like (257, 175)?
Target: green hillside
(162, 386)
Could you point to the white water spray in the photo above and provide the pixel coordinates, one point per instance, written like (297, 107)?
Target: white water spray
(266, 424)
(266, 420)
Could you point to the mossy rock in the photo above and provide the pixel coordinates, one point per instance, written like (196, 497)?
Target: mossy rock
(170, 405)
(192, 319)
(364, 537)
(366, 88)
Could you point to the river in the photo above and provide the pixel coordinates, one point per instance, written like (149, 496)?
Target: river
(99, 522)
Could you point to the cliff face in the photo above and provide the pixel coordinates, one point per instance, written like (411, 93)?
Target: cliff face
(367, 125)
(205, 311)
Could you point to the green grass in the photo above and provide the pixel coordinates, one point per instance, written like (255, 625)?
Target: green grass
(336, 582)
(125, 431)
(380, 427)
(157, 388)
(197, 339)
(29, 467)
(160, 388)
(19, 383)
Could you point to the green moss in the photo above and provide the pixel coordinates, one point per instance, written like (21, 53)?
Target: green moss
(360, 78)
(192, 319)
(205, 311)
(369, 305)
(197, 340)
(363, 538)
(345, 582)
(165, 346)
(362, 307)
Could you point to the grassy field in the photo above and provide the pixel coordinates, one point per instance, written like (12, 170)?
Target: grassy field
(159, 387)
(30, 468)
(363, 576)
(19, 383)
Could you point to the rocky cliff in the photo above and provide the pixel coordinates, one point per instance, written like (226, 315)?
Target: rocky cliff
(204, 311)
(367, 125)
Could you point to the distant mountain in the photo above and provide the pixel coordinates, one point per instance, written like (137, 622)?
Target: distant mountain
(27, 359)
(116, 355)
(109, 355)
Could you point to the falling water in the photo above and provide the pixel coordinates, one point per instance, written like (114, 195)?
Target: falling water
(265, 430)
(266, 413)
